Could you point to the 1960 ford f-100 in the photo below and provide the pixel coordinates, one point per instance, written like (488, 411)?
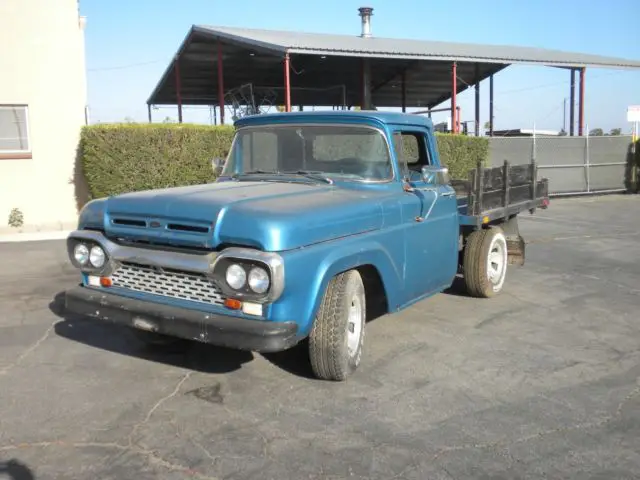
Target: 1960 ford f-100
(315, 220)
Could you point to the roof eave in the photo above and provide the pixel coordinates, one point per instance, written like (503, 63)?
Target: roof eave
(235, 39)
(453, 58)
(240, 40)
(169, 67)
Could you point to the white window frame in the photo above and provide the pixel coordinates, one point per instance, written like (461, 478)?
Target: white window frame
(6, 106)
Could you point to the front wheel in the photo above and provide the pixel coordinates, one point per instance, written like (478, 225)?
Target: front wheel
(336, 339)
(485, 262)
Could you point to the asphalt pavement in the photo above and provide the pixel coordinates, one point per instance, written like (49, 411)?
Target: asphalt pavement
(539, 382)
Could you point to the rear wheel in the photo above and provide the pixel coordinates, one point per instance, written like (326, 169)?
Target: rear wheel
(485, 262)
(336, 339)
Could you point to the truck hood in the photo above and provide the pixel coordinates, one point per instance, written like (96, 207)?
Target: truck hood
(272, 216)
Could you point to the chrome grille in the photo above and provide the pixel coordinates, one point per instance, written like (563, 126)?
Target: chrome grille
(183, 285)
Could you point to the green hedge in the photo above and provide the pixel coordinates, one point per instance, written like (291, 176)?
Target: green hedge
(117, 158)
(461, 153)
(121, 158)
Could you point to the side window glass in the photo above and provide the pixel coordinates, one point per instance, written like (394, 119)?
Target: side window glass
(411, 151)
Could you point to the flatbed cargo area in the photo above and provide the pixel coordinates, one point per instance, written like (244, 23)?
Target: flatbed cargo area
(496, 193)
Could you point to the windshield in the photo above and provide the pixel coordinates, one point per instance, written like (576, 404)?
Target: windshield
(342, 151)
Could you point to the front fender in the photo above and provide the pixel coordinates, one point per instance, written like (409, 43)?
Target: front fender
(309, 270)
(92, 215)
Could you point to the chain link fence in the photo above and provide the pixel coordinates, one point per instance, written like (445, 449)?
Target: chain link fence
(573, 165)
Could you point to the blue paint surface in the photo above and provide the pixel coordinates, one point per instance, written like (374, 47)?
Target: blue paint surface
(319, 229)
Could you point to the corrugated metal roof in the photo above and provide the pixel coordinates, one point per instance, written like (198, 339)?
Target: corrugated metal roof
(352, 45)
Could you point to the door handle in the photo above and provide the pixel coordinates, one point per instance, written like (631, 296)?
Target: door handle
(448, 194)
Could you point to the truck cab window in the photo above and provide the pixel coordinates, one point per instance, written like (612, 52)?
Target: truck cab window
(349, 153)
(412, 154)
(260, 151)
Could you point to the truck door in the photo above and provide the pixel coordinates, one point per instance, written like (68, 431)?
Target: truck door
(429, 217)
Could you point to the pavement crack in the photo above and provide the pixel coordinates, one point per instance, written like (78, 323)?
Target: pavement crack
(151, 456)
(155, 458)
(61, 443)
(6, 369)
(214, 460)
(633, 393)
(157, 405)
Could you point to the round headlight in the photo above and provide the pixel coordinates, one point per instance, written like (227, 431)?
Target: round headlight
(259, 280)
(236, 276)
(81, 253)
(97, 257)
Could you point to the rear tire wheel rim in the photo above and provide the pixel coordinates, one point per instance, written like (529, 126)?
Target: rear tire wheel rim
(354, 326)
(497, 262)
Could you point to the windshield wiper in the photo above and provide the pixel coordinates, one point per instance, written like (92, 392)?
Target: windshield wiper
(236, 176)
(312, 175)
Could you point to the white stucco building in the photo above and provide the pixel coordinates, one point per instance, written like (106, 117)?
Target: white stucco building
(42, 110)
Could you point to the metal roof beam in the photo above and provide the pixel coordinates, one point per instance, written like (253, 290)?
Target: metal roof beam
(395, 75)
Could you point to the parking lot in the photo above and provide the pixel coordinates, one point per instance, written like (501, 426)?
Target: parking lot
(541, 381)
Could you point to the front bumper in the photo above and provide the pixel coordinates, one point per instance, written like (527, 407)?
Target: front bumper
(222, 330)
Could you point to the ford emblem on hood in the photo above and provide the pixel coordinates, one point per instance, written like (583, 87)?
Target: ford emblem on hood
(154, 224)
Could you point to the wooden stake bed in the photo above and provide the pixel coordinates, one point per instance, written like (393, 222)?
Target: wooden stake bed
(499, 193)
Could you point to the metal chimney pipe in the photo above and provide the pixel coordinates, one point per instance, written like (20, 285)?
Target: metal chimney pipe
(365, 14)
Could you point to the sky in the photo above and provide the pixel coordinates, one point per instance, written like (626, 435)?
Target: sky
(129, 43)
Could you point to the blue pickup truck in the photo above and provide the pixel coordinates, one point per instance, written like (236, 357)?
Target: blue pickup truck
(317, 222)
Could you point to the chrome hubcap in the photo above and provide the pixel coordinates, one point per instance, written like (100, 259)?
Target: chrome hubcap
(354, 326)
(496, 262)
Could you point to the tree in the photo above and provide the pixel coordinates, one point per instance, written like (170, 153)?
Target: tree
(596, 132)
(487, 125)
(616, 131)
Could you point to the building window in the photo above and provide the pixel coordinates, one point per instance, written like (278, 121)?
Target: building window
(14, 132)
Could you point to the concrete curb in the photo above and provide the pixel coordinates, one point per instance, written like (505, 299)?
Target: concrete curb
(34, 236)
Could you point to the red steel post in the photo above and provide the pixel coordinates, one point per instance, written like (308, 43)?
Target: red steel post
(220, 83)
(454, 89)
(287, 83)
(581, 106)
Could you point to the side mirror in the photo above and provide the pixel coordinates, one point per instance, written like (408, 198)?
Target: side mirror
(435, 175)
(218, 165)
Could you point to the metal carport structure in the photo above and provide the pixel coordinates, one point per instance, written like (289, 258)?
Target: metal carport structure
(298, 68)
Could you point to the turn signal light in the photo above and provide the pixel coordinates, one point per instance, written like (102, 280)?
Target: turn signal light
(233, 304)
(105, 281)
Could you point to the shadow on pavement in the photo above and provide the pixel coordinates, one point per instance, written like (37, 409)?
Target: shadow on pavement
(14, 470)
(457, 288)
(186, 354)
(295, 360)
(121, 340)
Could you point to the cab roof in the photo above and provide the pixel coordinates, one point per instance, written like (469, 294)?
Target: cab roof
(332, 116)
